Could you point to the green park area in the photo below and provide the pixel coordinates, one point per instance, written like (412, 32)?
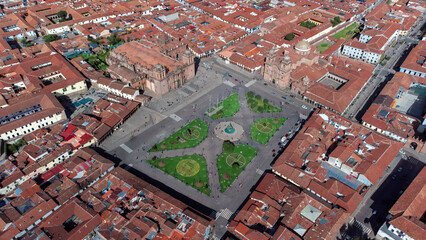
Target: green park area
(263, 129)
(348, 32)
(226, 108)
(188, 136)
(191, 170)
(257, 104)
(232, 162)
(324, 46)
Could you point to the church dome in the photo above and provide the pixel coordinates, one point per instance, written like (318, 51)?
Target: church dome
(303, 46)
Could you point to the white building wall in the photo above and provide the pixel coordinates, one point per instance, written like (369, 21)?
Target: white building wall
(31, 127)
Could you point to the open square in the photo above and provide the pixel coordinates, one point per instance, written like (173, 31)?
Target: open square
(191, 170)
(263, 129)
(226, 172)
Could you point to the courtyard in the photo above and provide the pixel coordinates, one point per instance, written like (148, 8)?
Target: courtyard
(347, 32)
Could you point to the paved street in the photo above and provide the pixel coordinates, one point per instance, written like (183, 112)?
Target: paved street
(384, 73)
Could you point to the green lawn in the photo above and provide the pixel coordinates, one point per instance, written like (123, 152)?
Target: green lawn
(308, 24)
(191, 170)
(96, 60)
(347, 32)
(263, 129)
(324, 46)
(231, 105)
(232, 162)
(256, 104)
(187, 137)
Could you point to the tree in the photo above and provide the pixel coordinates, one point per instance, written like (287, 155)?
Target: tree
(265, 101)
(258, 97)
(235, 165)
(50, 38)
(336, 20)
(92, 40)
(308, 24)
(228, 147)
(290, 36)
(250, 94)
(251, 102)
(62, 15)
(114, 40)
(24, 41)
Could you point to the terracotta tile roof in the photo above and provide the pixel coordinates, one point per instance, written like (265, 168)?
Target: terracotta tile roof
(339, 99)
(416, 59)
(146, 54)
(409, 210)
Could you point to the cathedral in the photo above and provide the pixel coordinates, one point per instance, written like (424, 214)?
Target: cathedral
(294, 67)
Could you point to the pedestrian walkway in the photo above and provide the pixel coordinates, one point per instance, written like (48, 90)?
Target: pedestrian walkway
(229, 83)
(175, 117)
(126, 148)
(250, 83)
(360, 226)
(225, 213)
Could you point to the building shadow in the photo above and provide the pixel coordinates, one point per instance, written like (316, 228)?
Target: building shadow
(391, 189)
(67, 104)
(197, 61)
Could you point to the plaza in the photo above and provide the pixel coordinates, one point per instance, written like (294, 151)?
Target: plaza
(229, 175)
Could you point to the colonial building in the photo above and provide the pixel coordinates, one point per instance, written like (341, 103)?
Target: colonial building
(152, 66)
(282, 67)
(29, 112)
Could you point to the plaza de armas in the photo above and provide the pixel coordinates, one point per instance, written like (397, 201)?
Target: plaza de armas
(236, 154)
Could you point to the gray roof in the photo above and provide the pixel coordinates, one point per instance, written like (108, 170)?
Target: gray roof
(299, 230)
(311, 213)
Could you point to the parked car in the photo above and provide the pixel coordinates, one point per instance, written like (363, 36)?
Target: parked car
(400, 169)
(304, 107)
